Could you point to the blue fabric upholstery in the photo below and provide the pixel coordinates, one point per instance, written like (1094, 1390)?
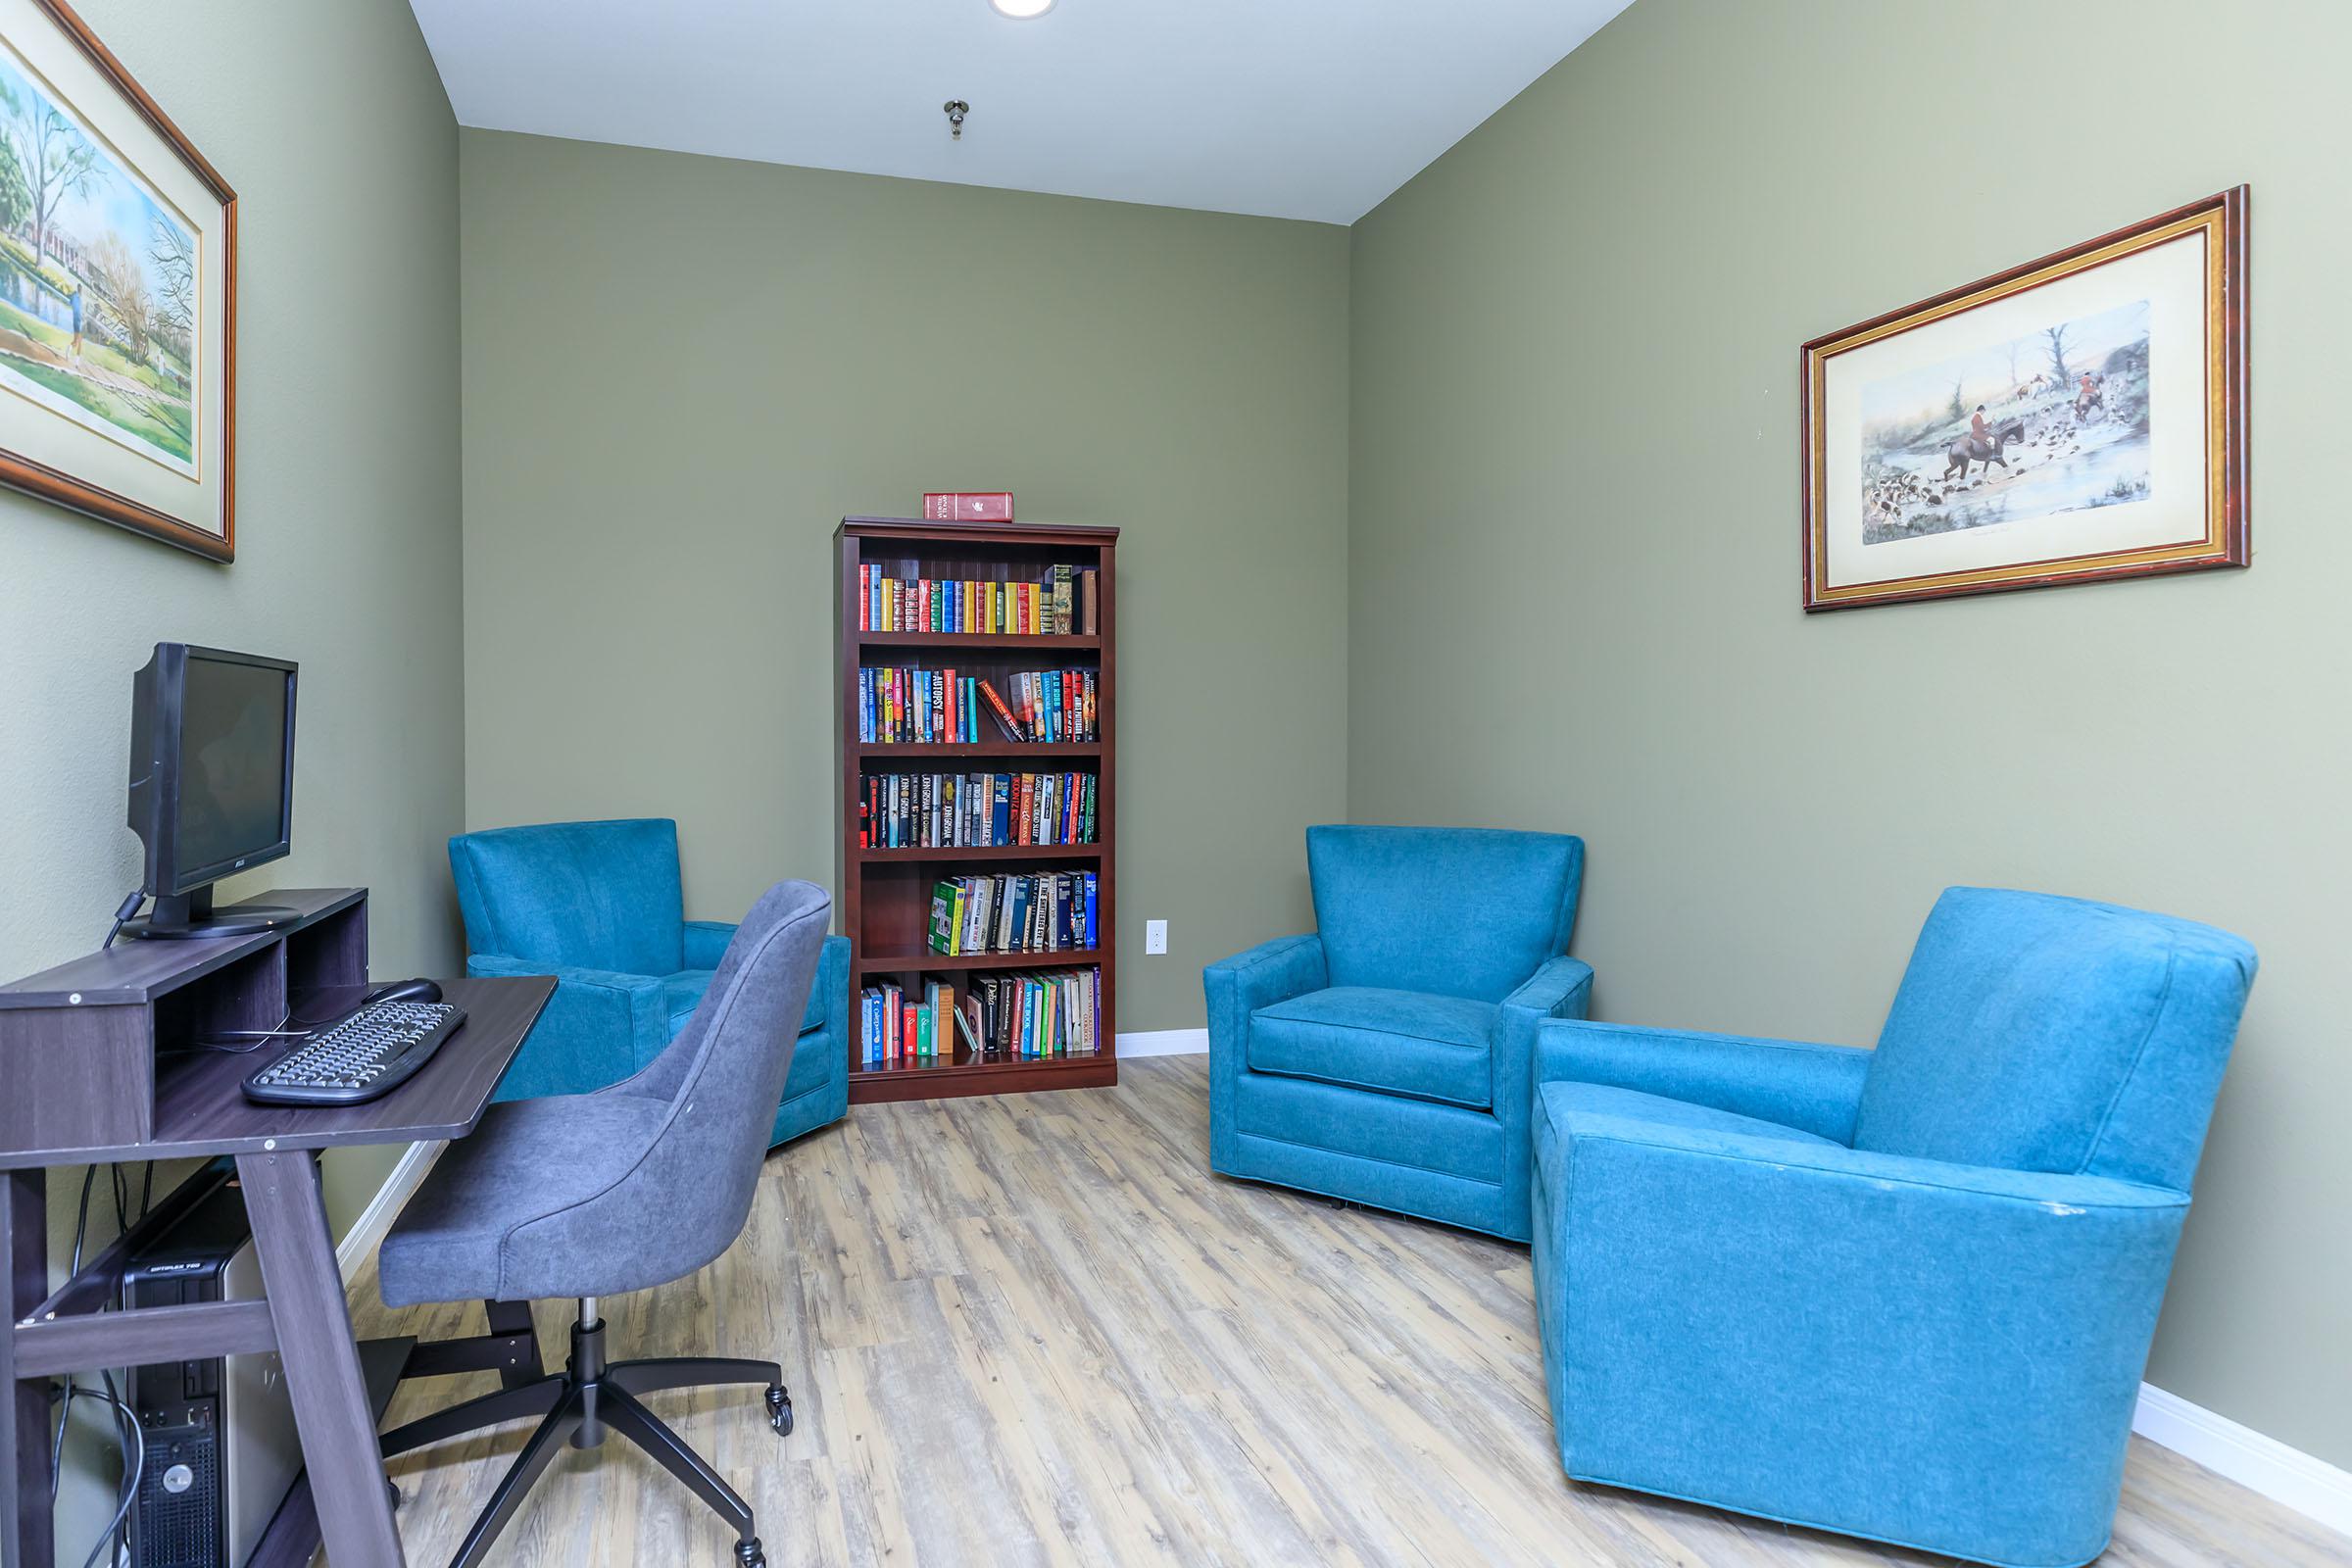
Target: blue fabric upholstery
(1739, 1308)
(592, 895)
(1396, 1042)
(1455, 911)
(1388, 1058)
(2105, 1017)
(598, 905)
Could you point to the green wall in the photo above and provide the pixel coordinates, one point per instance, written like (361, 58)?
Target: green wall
(329, 121)
(1574, 449)
(680, 373)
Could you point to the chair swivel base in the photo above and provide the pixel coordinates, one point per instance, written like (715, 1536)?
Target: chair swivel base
(580, 1405)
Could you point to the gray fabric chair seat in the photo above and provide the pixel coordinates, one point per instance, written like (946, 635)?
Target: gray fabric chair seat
(599, 1195)
(468, 1234)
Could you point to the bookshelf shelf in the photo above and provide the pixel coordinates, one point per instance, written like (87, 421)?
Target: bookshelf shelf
(963, 1076)
(885, 894)
(1008, 643)
(993, 852)
(924, 962)
(918, 753)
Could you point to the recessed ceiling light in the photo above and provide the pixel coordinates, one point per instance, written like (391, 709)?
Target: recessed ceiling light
(1021, 10)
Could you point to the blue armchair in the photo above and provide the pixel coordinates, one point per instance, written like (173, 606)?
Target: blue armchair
(1387, 1058)
(1906, 1294)
(598, 905)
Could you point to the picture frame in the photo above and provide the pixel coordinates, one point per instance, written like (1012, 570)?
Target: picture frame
(2078, 418)
(118, 293)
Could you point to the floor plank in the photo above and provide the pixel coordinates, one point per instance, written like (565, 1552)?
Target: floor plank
(1036, 1330)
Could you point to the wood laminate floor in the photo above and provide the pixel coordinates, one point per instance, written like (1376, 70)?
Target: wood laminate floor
(1037, 1330)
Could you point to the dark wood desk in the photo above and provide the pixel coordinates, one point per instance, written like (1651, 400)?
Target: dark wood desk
(191, 1104)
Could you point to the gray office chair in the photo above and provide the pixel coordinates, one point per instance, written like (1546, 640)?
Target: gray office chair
(621, 1190)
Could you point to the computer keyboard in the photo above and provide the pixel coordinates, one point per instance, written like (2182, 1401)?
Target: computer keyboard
(369, 1054)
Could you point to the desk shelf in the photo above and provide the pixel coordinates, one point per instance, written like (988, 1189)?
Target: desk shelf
(85, 1045)
(99, 1062)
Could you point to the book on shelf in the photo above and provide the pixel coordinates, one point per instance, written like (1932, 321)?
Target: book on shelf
(967, 505)
(1065, 601)
(1031, 911)
(942, 706)
(1016, 1016)
(975, 811)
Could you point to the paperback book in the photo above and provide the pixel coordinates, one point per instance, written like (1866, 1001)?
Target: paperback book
(1064, 600)
(1026, 912)
(975, 811)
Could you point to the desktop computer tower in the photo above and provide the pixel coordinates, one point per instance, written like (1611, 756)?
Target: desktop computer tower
(218, 1434)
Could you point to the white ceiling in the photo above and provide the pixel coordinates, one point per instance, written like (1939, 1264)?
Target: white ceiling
(1314, 109)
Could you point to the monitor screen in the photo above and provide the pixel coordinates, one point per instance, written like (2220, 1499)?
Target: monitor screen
(232, 762)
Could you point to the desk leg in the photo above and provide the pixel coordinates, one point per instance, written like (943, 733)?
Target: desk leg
(321, 1360)
(26, 1525)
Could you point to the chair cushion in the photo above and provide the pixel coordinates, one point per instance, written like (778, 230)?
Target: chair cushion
(528, 1159)
(1559, 1104)
(578, 895)
(682, 993)
(1405, 1042)
(2028, 1028)
(1460, 911)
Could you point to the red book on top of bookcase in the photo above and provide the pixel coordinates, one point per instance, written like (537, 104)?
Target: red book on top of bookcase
(967, 505)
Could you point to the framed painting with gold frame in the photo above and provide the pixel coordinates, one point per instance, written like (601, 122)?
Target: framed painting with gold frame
(118, 293)
(2077, 418)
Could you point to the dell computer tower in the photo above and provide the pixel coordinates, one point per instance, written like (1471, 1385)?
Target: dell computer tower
(220, 1446)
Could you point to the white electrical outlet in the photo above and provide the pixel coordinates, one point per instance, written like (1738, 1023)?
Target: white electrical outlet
(1156, 936)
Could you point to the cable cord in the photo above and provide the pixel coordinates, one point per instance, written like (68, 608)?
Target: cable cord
(128, 907)
(82, 1229)
(134, 1466)
(128, 1440)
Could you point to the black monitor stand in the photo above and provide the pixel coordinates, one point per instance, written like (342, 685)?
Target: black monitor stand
(185, 916)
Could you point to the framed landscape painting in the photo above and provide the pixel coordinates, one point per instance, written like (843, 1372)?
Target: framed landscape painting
(2080, 418)
(118, 290)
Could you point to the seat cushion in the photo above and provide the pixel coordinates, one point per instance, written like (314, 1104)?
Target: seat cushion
(682, 993)
(1559, 1104)
(527, 1160)
(1405, 1042)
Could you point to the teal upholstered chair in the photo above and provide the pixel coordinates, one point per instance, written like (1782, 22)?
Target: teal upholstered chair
(598, 905)
(1386, 1058)
(1903, 1294)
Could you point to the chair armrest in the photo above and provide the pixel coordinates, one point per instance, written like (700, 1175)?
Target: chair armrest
(1270, 972)
(829, 992)
(706, 943)
(599, 1027)
(1735, 1297)
(1817, 1088)
(1561, 989)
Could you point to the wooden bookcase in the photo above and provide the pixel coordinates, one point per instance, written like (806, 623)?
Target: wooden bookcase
(884, 893)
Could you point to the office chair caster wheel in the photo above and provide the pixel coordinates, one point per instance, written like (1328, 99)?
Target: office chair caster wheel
(749, 1555)
(779, 1411)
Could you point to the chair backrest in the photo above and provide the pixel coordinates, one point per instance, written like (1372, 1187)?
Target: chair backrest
(2049, 1034)
(583, 895)
(687, 1198)
(1458, 912)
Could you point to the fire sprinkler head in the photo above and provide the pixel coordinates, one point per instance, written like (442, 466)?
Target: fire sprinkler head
(955, 109)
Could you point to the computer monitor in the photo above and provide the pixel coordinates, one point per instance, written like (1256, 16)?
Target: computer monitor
(211, 782)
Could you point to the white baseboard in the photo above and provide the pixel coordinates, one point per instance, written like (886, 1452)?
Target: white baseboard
(2287, 1476)
(1164, 1043)
(385, 1206)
